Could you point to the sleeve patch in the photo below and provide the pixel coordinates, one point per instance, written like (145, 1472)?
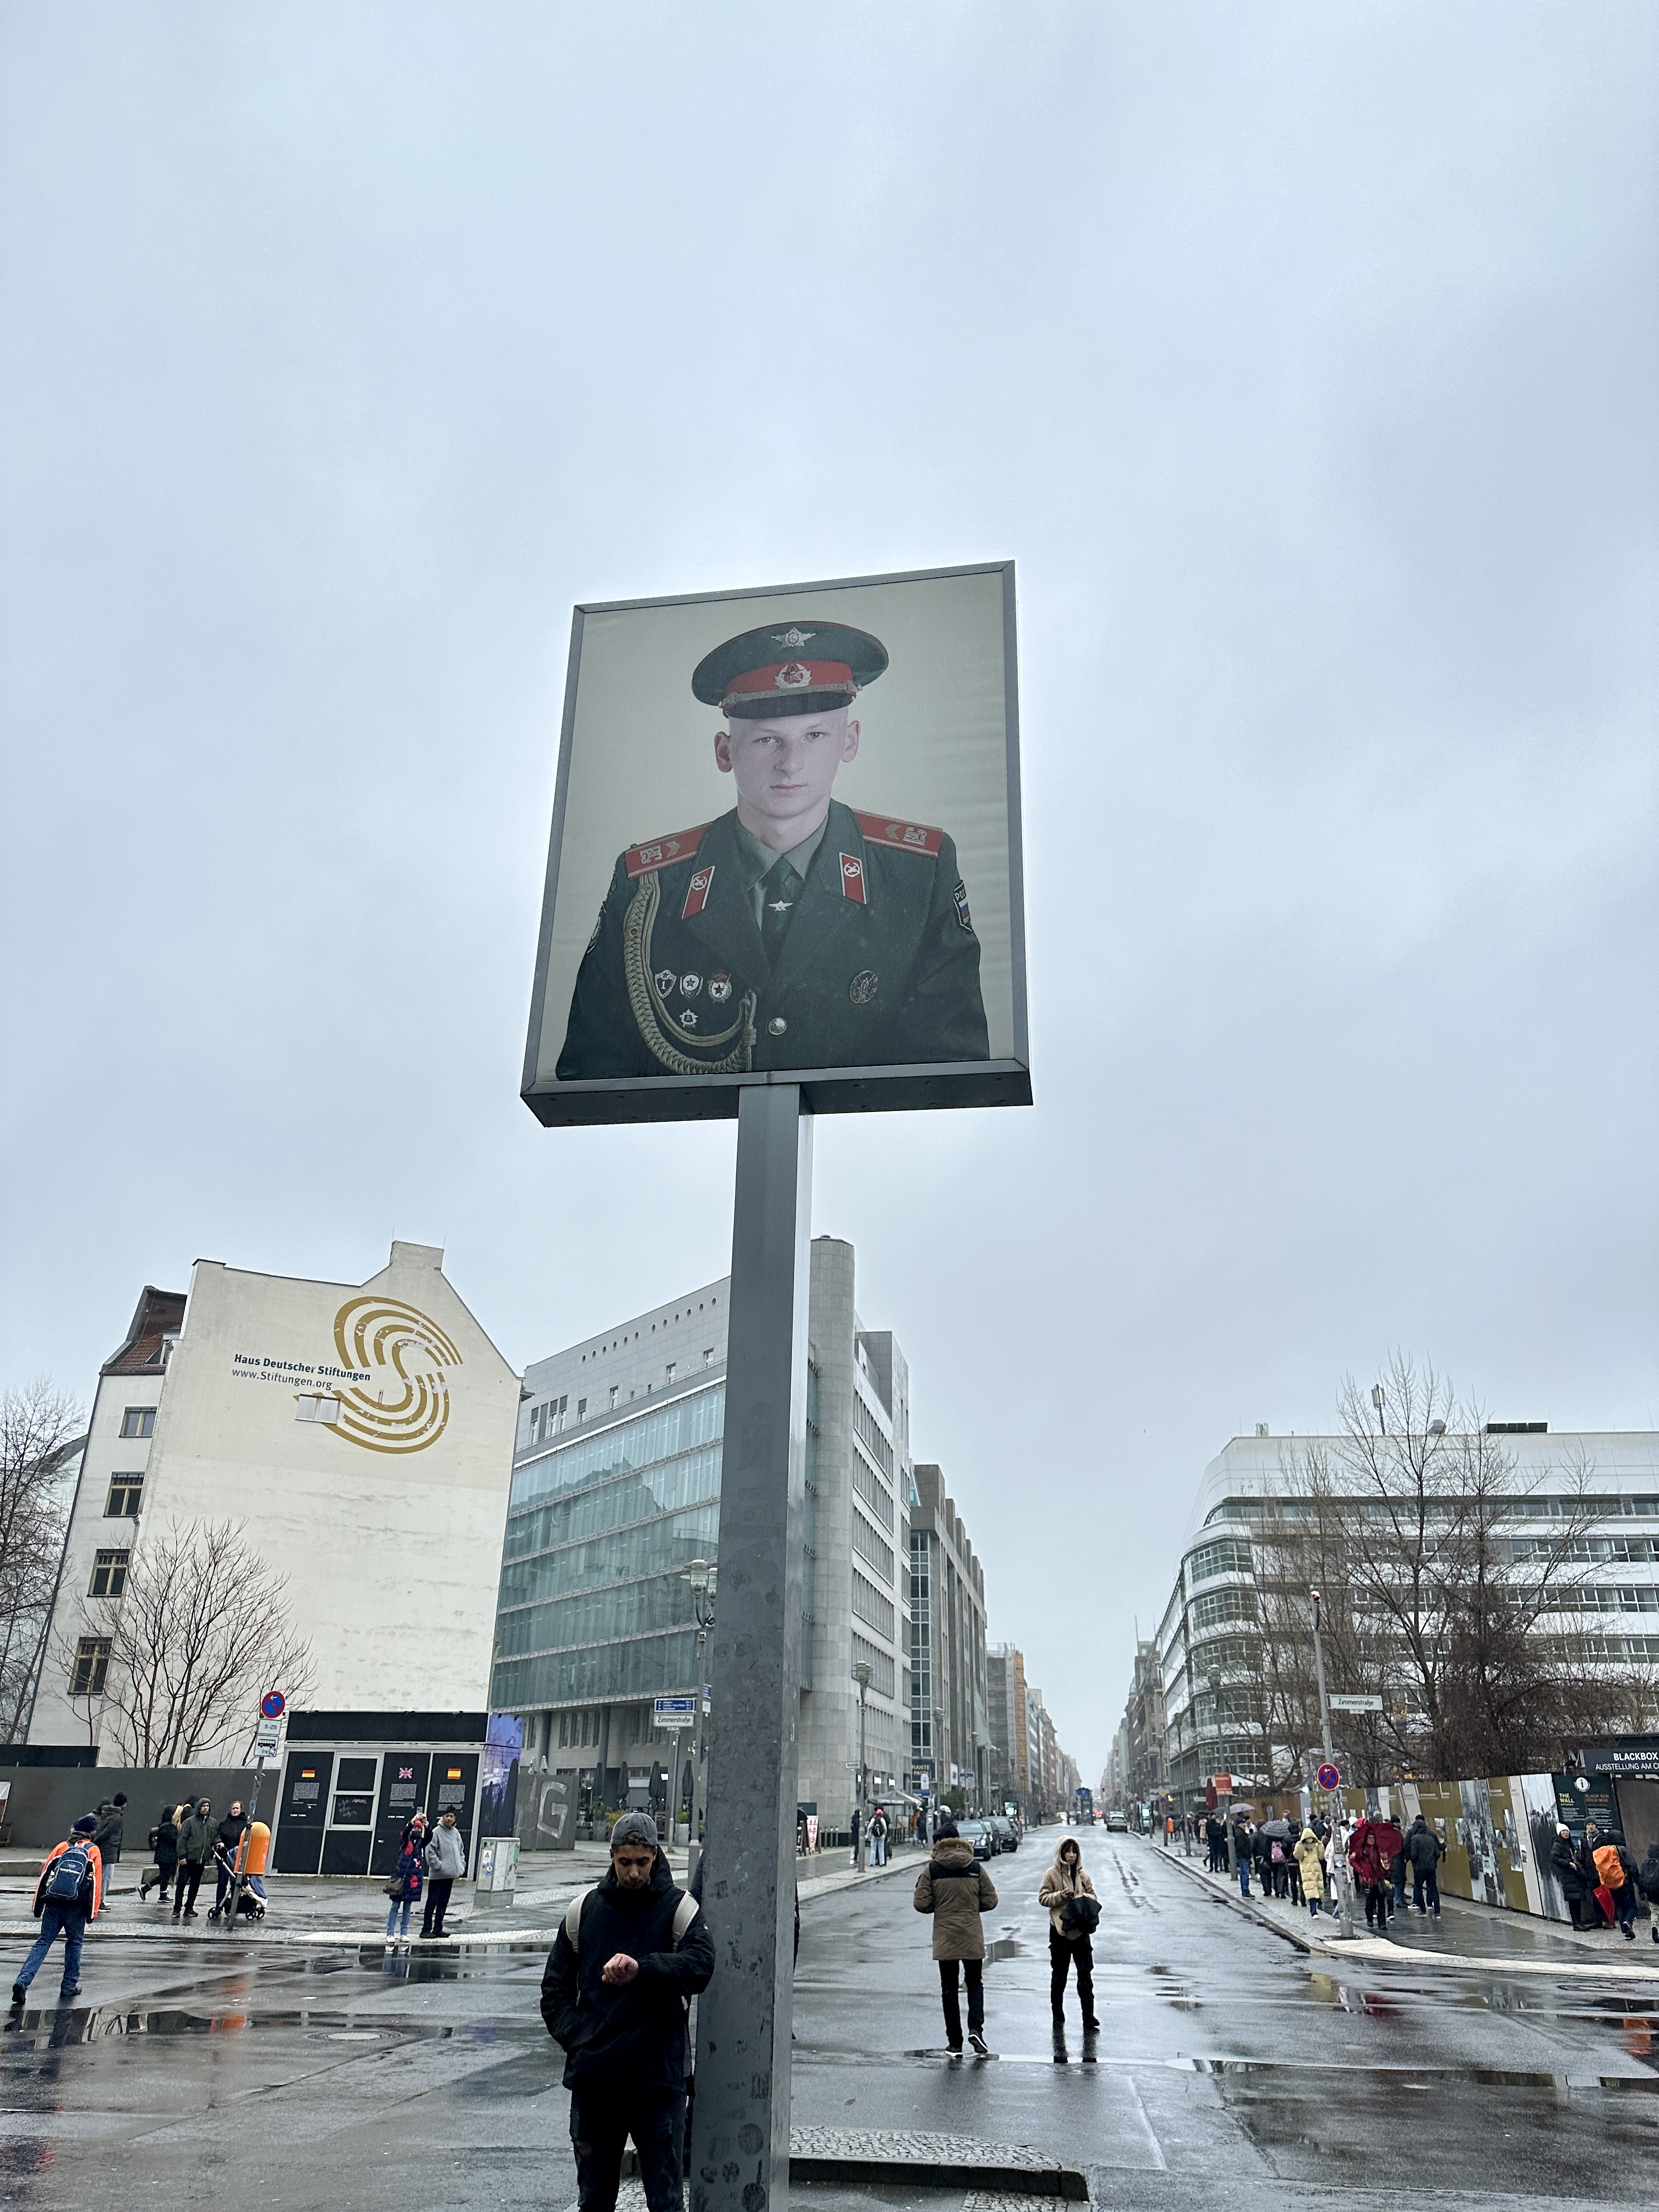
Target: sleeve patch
(959, 900)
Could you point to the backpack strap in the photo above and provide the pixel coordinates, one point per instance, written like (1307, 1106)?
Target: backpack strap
(685, 1913)
(573, 1916)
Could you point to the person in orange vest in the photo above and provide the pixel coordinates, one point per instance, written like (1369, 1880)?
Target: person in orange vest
(68, 1895)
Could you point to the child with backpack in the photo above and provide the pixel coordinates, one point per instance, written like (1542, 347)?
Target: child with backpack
(67, 1896)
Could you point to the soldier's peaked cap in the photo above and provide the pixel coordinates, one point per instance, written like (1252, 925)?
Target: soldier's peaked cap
(796, 666)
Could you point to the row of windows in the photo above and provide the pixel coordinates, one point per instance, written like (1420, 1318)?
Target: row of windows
(599, 1671)
(654, 1547)
(864, 1428)
(871, 1606)
(1513, 1508)
(641, 1443)
(869, 1486)
(1221, 1604)
(1227, 1555)
(879, 1663)
(668, 1488)
(870, 1549)
(625, 1339)
(1627, 1598)
(596, 1616)
(1621, 1551)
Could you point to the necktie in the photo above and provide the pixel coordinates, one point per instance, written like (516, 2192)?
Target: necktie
(780, 887)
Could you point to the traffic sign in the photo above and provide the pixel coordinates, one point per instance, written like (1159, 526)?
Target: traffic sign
(1222, 1784)
(273, 1705)
(1329, 1776)
(674, 1712)
(268, 1740)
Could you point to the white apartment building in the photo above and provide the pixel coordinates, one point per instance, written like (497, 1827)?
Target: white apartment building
(359, 1435)
(1616, 1602)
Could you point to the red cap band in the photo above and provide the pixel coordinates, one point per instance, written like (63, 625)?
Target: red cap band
(786, 676)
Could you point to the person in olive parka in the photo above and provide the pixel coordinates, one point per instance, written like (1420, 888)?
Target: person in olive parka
(792, 932)
(956, 1889)
(614, 1995)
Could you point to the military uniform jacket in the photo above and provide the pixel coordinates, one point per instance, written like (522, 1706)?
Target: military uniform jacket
(880, 967)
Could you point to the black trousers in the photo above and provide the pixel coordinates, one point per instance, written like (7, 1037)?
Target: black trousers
(599, 2128)
(974, 1969)
(1063, 1955)
(1423, 1878)
(1376, 1903)
(437, 1904)
(184, 1889)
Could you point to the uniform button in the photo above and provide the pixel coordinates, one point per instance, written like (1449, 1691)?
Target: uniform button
(777, 1025)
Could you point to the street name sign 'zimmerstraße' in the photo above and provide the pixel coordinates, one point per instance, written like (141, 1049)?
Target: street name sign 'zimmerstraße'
(784, 878)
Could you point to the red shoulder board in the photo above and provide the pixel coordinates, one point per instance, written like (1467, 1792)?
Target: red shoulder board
(663, 851)
(907, 837)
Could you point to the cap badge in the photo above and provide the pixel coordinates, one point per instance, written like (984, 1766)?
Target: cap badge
(864, 987)
(793, 676)
(794, 639)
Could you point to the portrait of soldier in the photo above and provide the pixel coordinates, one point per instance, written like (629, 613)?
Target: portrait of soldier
(790, 932)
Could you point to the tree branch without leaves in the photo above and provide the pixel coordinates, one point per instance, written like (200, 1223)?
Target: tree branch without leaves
(200, 1632)
(37, 1427)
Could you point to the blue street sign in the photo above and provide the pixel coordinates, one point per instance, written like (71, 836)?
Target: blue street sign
(1329, 1778)
(273, 1705)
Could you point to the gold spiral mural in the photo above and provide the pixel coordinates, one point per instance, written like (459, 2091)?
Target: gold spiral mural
(400, 1403)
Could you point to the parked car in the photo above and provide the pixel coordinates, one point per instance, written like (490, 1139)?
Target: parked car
(1117, 1821)
(1006, 1834)
(979, 1834)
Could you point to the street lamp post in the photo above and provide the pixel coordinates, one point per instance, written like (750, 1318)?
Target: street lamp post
(1227, 1809)
(1344, 1895)
(703, 1577)
(862, 1675)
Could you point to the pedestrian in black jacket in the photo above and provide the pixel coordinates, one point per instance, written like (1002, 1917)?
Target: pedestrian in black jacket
(228, 1839)
(164, 1849)
(1424, 1852)
(614, 1995)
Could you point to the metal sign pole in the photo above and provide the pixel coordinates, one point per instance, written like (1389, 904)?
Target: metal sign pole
(740, 2124)
(1344, 1895)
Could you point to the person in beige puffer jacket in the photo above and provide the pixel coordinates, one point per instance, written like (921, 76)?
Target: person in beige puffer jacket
(1068, 1946)
(956, 1889)
(1310, 1863)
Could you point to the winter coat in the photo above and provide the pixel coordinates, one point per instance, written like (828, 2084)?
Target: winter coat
(1647, 1880)
(1369, 1867)
(1563, 1858)
(1310, 1860)
(956, 1889)
(167, 1842)
(196, 1840)
(1062, 1882)
(232, 1829)
(112, 1821)
(407, 1872)
(626, 2036)
(1423, 1847)
(1261, 1849)
(92, 1889)
(445, 1853)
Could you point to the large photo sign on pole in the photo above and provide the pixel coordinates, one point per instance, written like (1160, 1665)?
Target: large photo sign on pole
(786, 848)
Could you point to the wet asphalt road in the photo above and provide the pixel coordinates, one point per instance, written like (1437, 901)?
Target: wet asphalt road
(1229, 2064)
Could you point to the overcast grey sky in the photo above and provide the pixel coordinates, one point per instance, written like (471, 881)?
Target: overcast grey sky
(1304, 357)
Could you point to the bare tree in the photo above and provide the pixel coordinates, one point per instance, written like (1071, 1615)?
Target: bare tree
(200, 1631)
(40, 1429)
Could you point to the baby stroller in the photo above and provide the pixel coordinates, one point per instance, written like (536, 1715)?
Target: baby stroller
(252, 1903)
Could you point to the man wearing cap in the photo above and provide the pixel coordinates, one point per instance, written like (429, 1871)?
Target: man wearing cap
(67, 1896)
(792, 932)
(627, 1957)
